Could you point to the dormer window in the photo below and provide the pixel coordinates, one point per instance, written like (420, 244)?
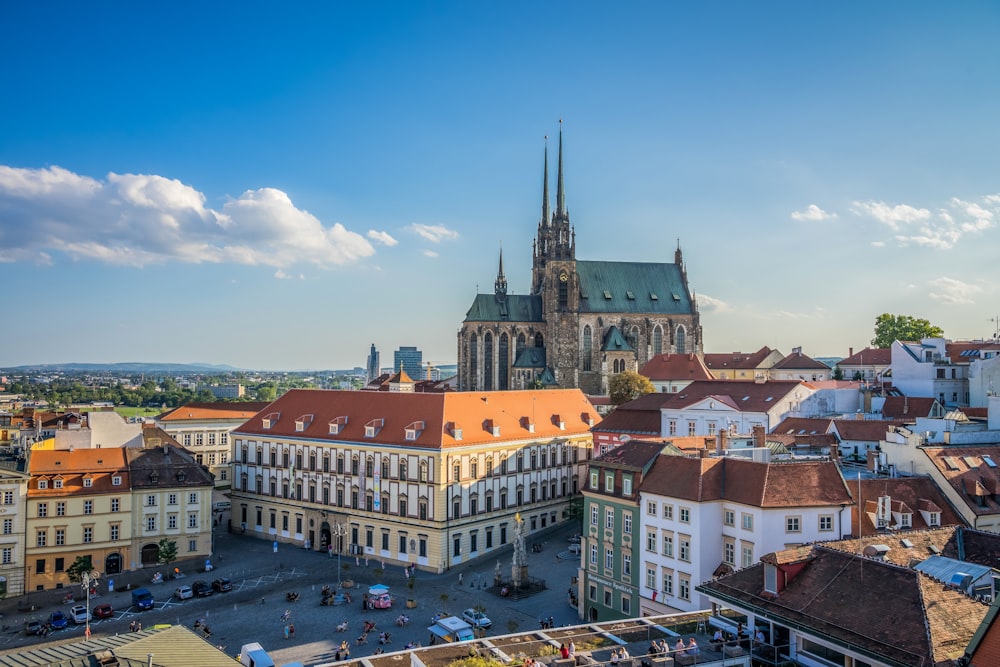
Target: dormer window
(270, 420)
(87, 482)
(934, 519)
(373, 427)
(492, 428)
(413, 431)
(43, 484)
(559, 422)
(527, 424)
(770, 578)
(58, 483)
(455, 429)
(588, 418)
(302, 423)
(337, 425)
(181, 476)
(154, 477)
(116, 480)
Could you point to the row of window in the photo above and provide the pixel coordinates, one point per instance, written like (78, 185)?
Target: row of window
(172, 521)
(57, 483)
(609, 481)
(223, 458)
(171, 499)
(114, 505)
(199, 439)
(609, 518)
(86, 537)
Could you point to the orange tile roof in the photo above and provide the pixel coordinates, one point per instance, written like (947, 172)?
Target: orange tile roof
(676, 367)
(435, 418)
(870, 356)
(867, 430)
(208, 411)
(969, 473)
(744, 360)
(740, 394)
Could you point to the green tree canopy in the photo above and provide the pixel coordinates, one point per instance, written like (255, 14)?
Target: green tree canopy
(168, 551)
(629, 385)
(890, 328)
(81, 566)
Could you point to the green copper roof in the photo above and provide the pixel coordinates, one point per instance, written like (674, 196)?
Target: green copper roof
(515, 308)
(548, 378)
(531, 357)
(614, 341)
(632, 287)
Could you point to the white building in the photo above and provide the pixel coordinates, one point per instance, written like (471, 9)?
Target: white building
(709, 406)
(703, 517)
(928, 369)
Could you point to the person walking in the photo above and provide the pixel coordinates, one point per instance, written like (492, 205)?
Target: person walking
(291, 630)
(287, 631)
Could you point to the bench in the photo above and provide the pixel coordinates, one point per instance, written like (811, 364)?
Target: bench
(722, 623)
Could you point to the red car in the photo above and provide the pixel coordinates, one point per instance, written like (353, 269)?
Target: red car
(103, 611)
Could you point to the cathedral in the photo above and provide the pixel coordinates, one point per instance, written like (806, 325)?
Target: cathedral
(582, 322)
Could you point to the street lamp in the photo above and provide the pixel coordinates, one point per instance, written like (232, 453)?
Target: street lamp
(87, 580)
(338, 531)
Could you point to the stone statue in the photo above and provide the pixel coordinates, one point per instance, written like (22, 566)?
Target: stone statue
(519, 562)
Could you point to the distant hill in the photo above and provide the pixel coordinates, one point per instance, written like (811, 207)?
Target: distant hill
(129, 367)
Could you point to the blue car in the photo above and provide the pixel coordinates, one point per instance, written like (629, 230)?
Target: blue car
(58, 620)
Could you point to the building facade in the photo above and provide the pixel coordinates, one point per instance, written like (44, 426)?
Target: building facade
(581, 322)
(409, 359)
(430, 479)
(13, 510)
(203, 429)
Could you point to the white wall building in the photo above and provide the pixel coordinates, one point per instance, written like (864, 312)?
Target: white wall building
(707, 407)
(702, 517)
(926, 369)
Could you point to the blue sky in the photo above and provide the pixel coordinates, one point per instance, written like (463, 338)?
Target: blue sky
(280, 185)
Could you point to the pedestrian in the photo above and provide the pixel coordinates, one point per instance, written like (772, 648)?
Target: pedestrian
(364, 601)
(357, 562)
(329, 550)
(572, 649)
(366, 561)
(291, 630)
(138, 626)
(459, 578)
(287, 631)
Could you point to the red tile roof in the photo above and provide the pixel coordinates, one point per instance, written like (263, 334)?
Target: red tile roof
(219, 410)
(864, 430)
(915, 492)
(676, 367)
(751, 483)
(870, 356)
(801, 426)
(437, 420)
(738, 360)
(967, 469)
(907, 407)
(797, 361)
(741, 395)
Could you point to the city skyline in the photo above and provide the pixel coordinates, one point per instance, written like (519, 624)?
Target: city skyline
(277, 190)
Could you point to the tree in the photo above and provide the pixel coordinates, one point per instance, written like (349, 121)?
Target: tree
(890, 328)
(168, 551)
(629, 385)
(838, 373)
(81, 566)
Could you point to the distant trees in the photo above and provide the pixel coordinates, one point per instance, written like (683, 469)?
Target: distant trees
(889, 328)
(629, 385)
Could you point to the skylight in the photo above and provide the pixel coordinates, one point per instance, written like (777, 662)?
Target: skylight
(951, 463)
(988, 461)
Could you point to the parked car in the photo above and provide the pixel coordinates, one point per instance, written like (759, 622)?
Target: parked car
(183, 593)
(202, 589)
(477, 618)
(104, 611)
(222, 585)
(574, 549)
(58, 620)
(32, 627)
(79, 614)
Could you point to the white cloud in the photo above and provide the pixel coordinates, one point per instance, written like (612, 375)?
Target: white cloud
(952, 291)
(381, 237)
(709, 304)
(942, 229)
(433, 233)
(878, 244)
(139, 219)
(430, 253)
(812, 213)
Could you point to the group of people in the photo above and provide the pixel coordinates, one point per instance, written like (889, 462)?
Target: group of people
(567, 651)
(680, 648)
(618, 655)
(343, 652)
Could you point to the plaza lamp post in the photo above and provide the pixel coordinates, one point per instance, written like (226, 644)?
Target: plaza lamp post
(88, 580)
(338, 532)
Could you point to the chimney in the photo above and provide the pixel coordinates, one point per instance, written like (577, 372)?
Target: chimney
(850, 352)
(721, 441)
(758, 436)
(906, 405)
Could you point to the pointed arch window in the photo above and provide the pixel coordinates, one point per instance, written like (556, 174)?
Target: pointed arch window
(503, 370)
(473, 361)
(487, 362)
(633, 338)
(539, 340)
(519, 345)
(658, 339)
(681, 339)
(588, 348)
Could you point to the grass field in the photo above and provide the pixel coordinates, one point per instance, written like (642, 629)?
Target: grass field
(138, 412)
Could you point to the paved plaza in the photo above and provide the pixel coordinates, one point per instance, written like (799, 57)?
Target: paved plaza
(253, 610)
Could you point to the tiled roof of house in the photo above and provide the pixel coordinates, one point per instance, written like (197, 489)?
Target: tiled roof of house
(917, 493)
(741, 395)
(972, 471)
(218, 410)
(161, 463)
(738, 360)
(889, 612)
(907, 407)
(863, 430)
(73, 466)
(687, 367)
(801, 426)
(635, 454)
(639, 416)
(428, 420)
(751, 483)
(870, 356)
(799, 361)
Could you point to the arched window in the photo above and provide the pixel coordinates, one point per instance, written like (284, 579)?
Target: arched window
(423, 472)
(487, 362)
(354, 465)
(489, 471)
(370, 466)
(539, 340)
(681, 339)
(588, 348)
(473, 362)
(312, 492)
(504, 368)
(519, 345)
(402, 468)
(658, 340)
(244, 483)
(384, 504)
(340, 464)
(385, 467)
(633, 338)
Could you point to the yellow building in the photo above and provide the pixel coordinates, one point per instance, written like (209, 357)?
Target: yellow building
(171, 498)
(13, 507)
(79, 504)
(431, 479)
